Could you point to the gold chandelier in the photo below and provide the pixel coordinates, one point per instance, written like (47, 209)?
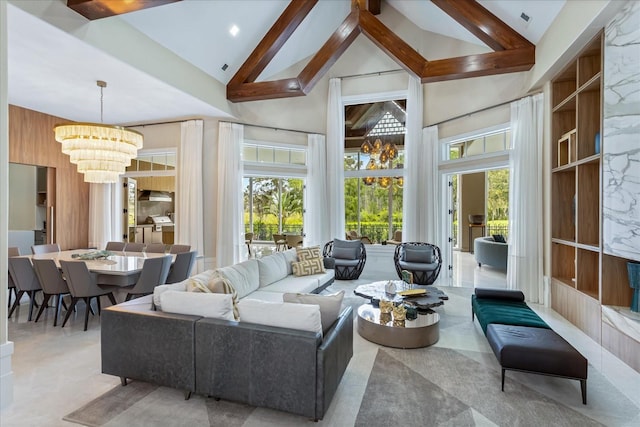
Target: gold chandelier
(380, 154)
(101, 152)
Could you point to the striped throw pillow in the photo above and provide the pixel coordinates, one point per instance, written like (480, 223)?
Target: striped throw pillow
(308, 267)
(311, 252)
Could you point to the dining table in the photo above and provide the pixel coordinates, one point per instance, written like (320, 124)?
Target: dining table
(118, 269)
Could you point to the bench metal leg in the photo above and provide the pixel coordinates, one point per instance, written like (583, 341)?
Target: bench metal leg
(123, 381)
(503, 378)
(583, 388)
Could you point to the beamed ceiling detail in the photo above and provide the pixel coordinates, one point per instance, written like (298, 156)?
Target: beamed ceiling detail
(512, 52)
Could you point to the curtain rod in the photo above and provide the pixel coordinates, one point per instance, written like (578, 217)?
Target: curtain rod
(375, 73)
(481, 110)
(271, 127)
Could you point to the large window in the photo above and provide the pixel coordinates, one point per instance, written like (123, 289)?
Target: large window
(273, 206)
(374, 168)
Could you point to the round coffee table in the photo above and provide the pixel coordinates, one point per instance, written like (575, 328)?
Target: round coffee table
(380, 328)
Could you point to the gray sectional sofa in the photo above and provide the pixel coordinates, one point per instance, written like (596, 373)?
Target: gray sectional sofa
(489, 252)
(292, 370)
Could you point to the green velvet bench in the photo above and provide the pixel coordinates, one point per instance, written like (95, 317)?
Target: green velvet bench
(522, 341)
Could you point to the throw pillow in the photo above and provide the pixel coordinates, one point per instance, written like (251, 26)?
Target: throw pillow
(217, 284)
(343, 249)
(421, 254)
(329, 305)
(305, 317)
(311, 252)
(308, 267)
(498, 238)
(217, 306)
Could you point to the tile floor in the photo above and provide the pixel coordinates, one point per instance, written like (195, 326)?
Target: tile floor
(58, 370)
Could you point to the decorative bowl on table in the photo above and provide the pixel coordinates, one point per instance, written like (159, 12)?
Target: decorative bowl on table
(476, 219)
(88, 256)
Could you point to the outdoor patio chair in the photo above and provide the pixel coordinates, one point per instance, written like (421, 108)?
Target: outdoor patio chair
(423, 260)
(346, 257)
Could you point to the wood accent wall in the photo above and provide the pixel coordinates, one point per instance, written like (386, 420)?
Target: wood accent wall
(31, 141)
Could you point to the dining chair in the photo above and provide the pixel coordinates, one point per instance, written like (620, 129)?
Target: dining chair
(134, 247)
(158, 248)
(53, 285)
(177, 249)
(115, 246)
(293, 240)
(82, 286)
(154, 273)
(45, 249)
(182, 266)
(12, 251)
(248, 238)
(25, 280)
(280, 241)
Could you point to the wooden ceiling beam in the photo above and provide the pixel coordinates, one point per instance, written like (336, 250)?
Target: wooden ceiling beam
(97, 9)
(258, 91)
(406, 56)
(273, 41)
(329, 53)
(486, 64)
(374, 7)
(483, 24)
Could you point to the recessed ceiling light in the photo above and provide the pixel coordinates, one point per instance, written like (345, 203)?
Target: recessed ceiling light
(234, 30)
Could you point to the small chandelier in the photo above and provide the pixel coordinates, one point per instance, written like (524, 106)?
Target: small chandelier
(101, 152)
(379, 156)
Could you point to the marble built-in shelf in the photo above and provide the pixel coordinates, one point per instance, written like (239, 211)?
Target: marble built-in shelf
(622, 319)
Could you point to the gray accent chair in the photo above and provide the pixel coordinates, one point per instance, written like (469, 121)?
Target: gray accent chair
(134, 247)
(26, 282)
(346, 257)
(53, 285)
(115, 246)
(82, 286)
(423, 260)
(489, 252)
(45, 249)
(182, 266)
(154, 273)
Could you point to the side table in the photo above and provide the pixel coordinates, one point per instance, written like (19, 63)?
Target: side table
(471, 227)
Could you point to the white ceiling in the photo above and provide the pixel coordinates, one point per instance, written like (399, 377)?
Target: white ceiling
(55, 72)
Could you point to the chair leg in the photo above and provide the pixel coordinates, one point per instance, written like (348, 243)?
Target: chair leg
(45, 302)
(86, 313)
(32, 303)
(57, 315)
(74, 300)
(16, 303)
(112, 298)
(98, 304)
(128, 297)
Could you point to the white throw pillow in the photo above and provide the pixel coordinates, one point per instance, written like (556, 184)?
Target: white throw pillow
(329, 305)
(244, 277)
(290, 256)
(217, 306)
(159, 290)
(305, 317)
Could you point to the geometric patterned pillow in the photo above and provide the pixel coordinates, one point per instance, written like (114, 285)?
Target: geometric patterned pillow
(308, 267)
(305, 254)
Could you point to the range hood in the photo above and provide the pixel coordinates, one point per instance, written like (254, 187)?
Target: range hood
(154, 196)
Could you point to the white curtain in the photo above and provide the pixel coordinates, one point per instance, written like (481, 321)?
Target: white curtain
(229, 227)
(524, 268)
(430, 152)
(335, 161)
(189, 219)
(414, 214)
(105, 214)
(316, 221)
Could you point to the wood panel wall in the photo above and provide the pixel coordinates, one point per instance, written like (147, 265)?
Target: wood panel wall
(31, 141)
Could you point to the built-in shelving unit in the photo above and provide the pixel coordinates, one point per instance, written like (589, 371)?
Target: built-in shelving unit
(588, 287)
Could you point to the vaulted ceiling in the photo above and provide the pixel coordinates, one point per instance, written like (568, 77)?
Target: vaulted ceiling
(50, 59)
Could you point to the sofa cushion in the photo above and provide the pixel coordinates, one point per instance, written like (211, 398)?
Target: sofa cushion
(498, 238)
(272, 268)
(417, 266)
(311, 252)
(415, 253)
(329, 305)
(308, 267)
(217, 306)
(263, 294)
(217, 284)
(244, 277)
(179, 286)
(294, 284)
(305, 317)
(343, 249)
(290, 256)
